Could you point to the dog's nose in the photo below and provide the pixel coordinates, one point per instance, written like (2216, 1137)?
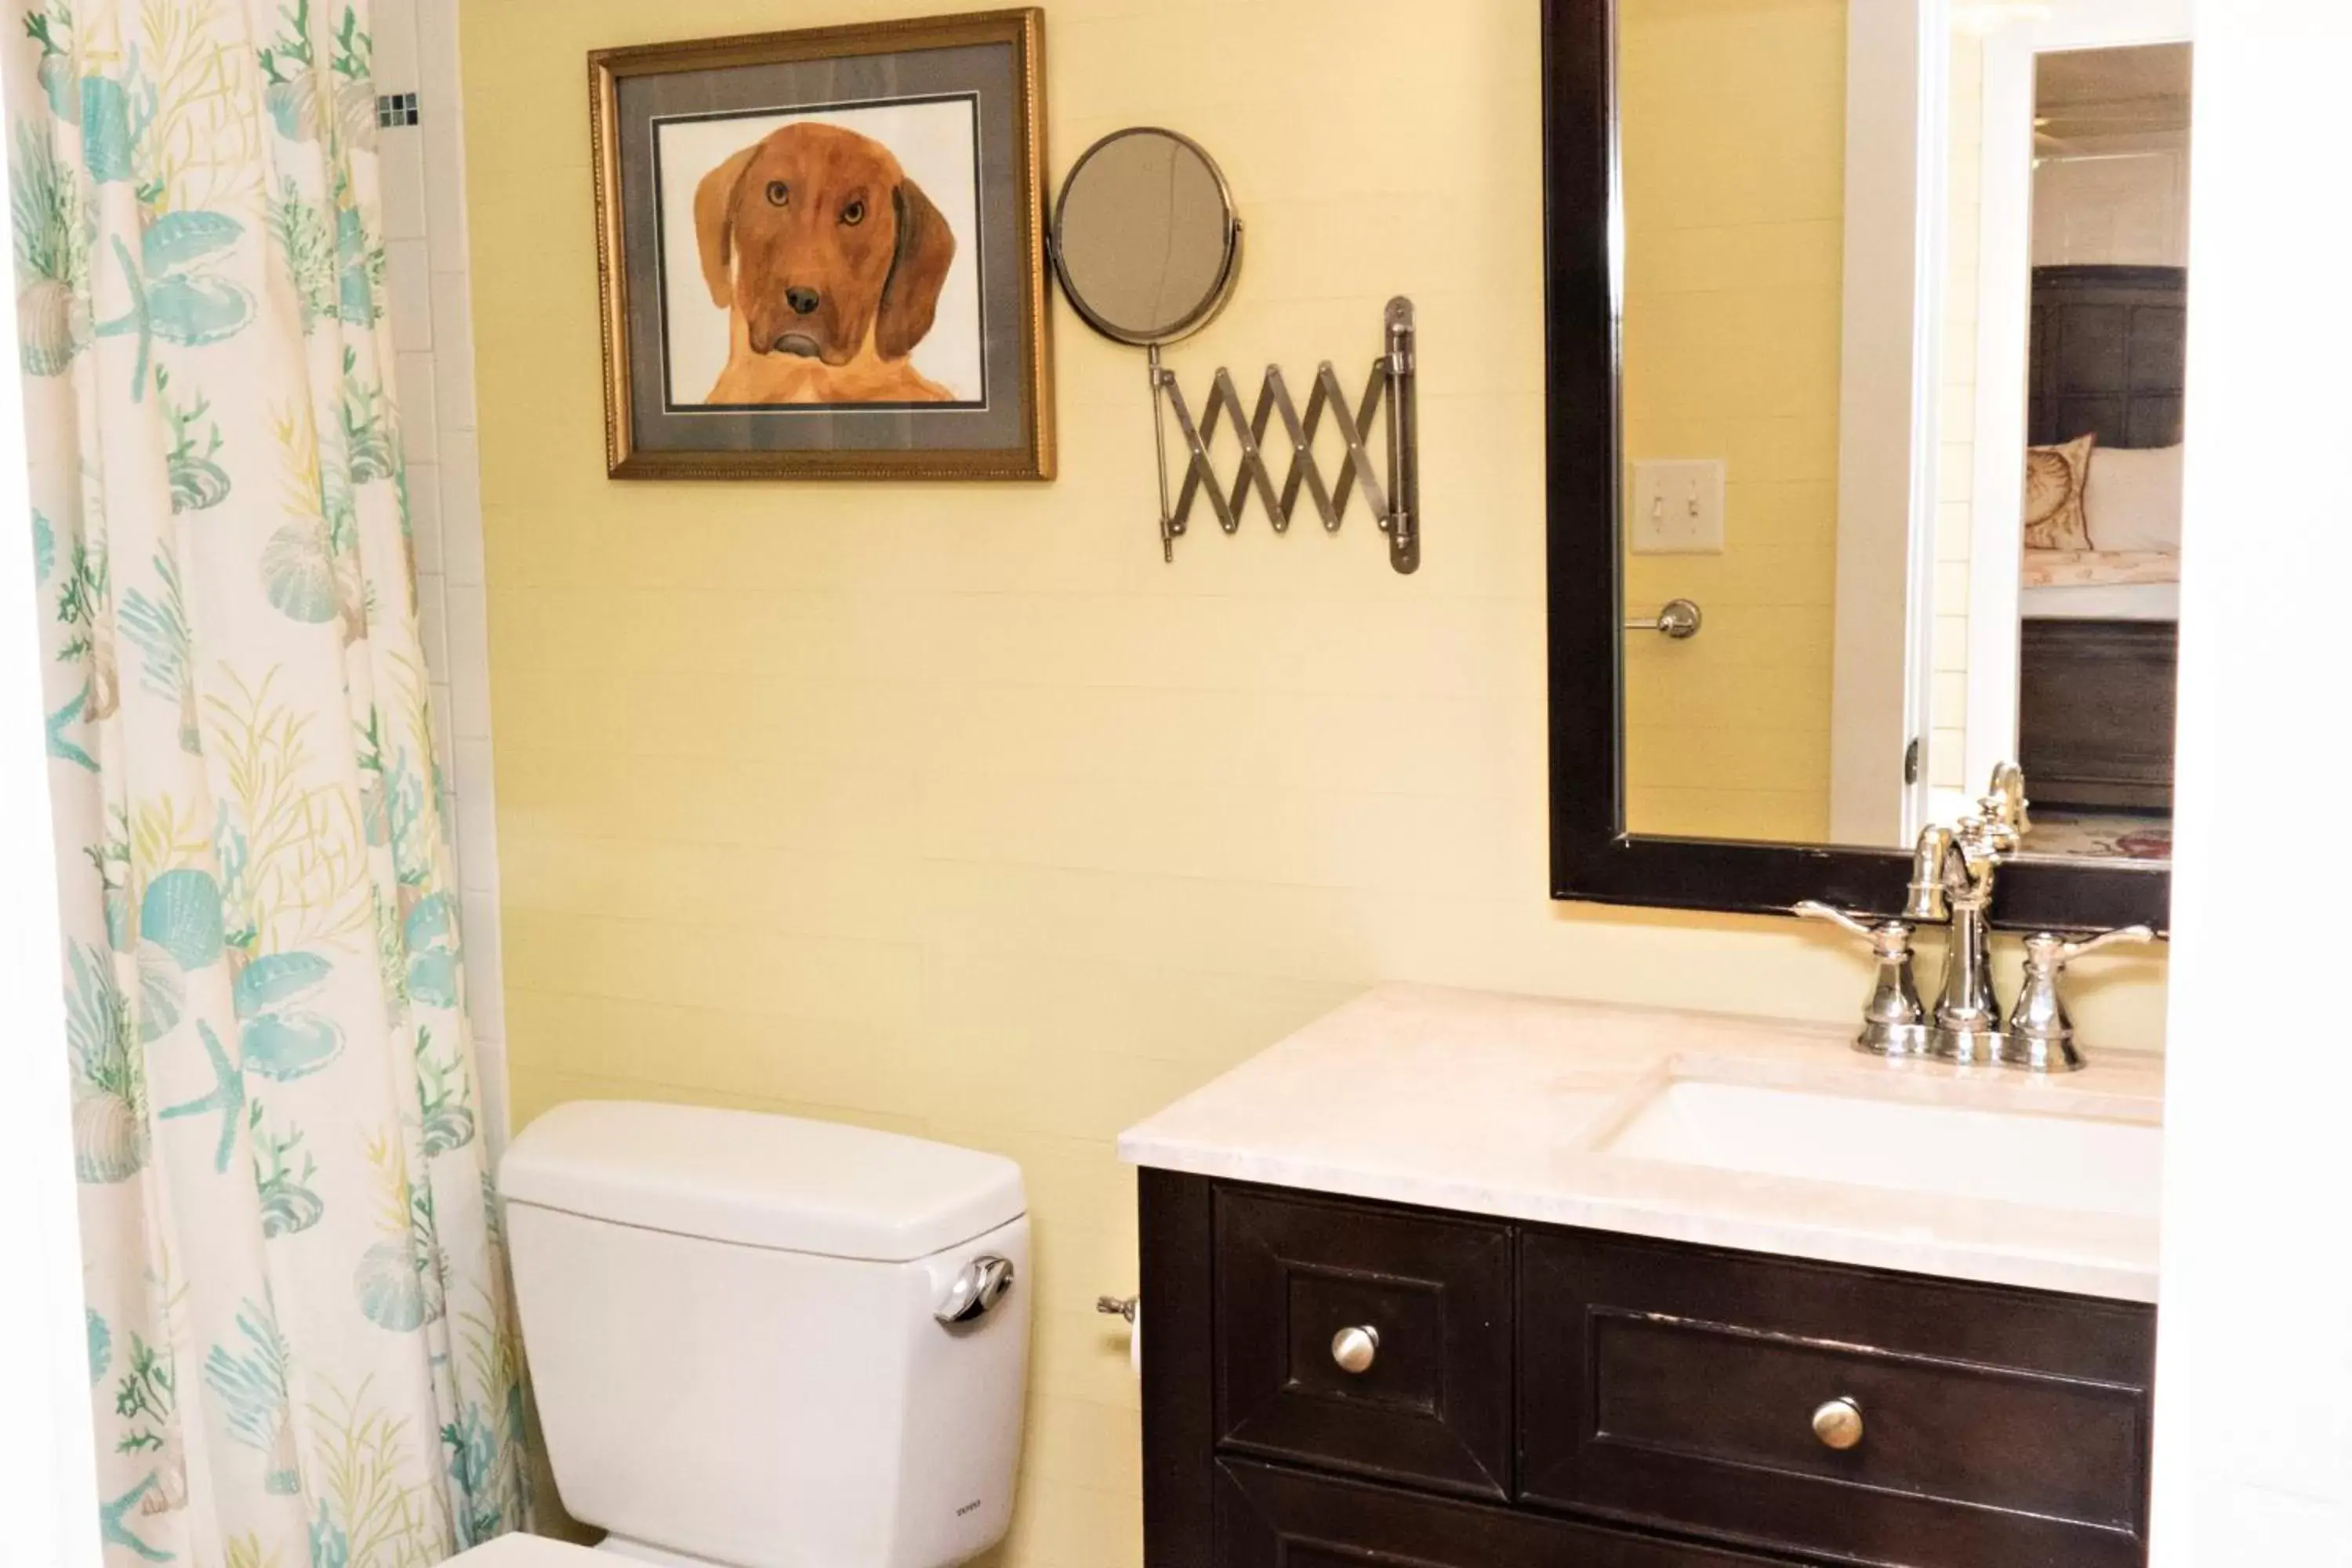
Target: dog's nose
(801, 301)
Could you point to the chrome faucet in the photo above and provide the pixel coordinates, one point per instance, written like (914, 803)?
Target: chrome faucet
(1952, 870)
(1952, 873)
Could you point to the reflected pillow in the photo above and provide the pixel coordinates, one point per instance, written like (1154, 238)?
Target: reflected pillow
(2132, 499)
(2055, 479)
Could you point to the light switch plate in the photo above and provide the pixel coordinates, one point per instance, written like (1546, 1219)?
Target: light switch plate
(1677, 508)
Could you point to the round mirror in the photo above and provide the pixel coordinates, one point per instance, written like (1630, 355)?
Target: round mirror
(1145, 239)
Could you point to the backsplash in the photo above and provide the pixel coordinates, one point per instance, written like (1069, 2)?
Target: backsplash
(951, 808)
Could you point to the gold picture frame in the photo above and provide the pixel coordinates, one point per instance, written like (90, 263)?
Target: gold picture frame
(832, 363)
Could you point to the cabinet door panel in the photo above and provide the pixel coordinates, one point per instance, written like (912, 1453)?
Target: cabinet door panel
(1434, 1406)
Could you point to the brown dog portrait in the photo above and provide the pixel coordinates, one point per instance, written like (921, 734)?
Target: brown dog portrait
(829, 262)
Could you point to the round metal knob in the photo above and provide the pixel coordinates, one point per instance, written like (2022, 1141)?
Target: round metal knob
(1838, 1424)
(1354, 1349)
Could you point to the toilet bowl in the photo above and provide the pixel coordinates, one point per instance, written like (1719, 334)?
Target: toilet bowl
(759, 1341)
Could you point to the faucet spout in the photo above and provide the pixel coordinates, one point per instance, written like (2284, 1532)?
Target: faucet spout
(2004, 801)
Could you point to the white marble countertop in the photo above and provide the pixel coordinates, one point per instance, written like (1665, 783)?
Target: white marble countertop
(1494, 1105)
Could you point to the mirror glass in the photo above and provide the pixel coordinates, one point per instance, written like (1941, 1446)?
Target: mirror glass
(1902, 430)
(1144, 237)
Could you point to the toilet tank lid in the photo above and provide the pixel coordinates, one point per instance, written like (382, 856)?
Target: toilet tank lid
(777, 1181)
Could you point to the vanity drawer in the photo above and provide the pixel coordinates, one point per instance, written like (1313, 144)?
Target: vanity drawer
(1434, 1405)
(1282, 1519)
(1677, 1386)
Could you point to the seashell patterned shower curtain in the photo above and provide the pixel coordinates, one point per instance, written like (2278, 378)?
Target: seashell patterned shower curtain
(301, 1350)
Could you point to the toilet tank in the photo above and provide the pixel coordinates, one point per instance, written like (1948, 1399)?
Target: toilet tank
(733, 1327)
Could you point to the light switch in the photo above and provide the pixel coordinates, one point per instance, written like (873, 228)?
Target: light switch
(1677, 508)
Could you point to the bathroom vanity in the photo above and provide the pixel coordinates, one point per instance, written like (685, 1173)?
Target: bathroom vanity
(1497, 1282)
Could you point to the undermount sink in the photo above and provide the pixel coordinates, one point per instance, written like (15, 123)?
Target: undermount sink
(2048, 1161)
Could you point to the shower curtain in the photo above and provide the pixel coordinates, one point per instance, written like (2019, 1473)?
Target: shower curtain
(301, 1351)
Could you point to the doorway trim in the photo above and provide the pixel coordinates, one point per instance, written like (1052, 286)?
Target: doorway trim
(1882, 659)
(2004, 318)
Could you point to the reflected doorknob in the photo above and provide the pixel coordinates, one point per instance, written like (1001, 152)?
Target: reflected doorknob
(1679, 619)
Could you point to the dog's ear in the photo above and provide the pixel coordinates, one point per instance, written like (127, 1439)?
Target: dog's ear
(919, 269)
(714, 225)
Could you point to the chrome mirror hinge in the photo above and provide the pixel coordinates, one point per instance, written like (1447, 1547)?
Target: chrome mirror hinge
(1392, 497)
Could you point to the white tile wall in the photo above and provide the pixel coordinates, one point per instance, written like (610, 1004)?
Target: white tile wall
(423, 170)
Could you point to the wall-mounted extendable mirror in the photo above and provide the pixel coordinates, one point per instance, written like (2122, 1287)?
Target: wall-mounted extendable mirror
(1145, 239)
(1148, 246)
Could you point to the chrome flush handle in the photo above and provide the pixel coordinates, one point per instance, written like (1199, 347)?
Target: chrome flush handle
(985, 1280)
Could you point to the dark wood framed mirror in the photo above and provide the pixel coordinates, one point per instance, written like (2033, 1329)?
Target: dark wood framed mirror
(1599, 852)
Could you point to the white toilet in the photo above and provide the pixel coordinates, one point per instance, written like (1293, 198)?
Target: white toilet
(765, 1342)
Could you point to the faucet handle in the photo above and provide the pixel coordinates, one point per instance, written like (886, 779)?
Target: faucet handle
(2040, 1034)
(2047, 951)
(1893, 1024)
(1888, 939)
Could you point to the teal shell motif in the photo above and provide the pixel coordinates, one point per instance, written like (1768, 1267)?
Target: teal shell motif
(284, 1038)
(161, 990)
(179, 931)
(105, 130)
(430, 937)
(395, 1286)
(298, 574)
(182, 915)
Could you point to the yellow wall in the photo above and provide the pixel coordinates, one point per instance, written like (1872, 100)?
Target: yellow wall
(1733, 132)
(951, 809)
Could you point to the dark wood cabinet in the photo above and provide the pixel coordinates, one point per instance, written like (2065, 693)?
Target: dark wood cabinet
(1676, 1384)
(1434, 1408)
(1558, 1397)
(1269, 1518)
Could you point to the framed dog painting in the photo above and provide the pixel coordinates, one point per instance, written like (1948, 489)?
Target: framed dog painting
(821, 253)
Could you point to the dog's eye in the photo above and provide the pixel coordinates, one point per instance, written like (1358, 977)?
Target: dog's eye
(778, 193)
(853, 213)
